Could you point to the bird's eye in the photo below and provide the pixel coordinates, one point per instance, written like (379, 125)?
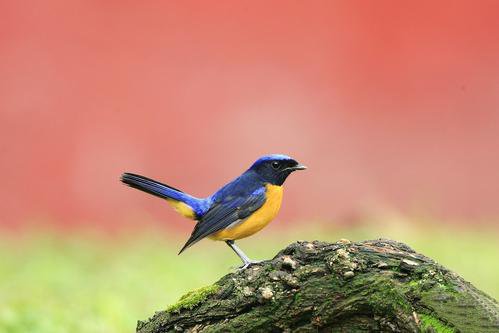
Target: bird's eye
(276, 165)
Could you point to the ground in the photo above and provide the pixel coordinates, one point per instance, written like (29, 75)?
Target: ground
(81, 282)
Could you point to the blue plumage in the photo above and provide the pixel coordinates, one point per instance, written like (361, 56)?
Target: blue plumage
(235, 201)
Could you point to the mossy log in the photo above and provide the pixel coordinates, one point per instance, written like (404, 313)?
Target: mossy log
(370, 286)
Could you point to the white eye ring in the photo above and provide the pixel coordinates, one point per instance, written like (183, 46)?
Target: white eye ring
(276, 165)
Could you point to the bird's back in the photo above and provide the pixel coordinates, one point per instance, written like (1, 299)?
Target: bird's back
(241, 187)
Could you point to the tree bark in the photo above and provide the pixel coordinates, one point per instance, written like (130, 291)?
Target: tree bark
(370, 286)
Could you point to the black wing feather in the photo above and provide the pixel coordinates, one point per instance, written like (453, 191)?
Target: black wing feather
(223, 214)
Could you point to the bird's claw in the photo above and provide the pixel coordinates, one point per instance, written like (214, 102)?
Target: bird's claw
(248, 264)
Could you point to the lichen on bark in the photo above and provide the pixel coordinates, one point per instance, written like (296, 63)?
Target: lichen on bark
(370, 286)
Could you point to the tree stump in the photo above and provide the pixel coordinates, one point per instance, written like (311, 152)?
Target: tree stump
(371, 286)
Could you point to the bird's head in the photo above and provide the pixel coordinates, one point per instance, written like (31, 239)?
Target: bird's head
(275, 168)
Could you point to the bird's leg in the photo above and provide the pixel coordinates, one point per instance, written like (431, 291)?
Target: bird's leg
(246, 261)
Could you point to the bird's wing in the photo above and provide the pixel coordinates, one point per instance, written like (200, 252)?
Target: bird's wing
(224, 213)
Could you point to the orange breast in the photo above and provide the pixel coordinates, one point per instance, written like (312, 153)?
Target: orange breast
(258, 220)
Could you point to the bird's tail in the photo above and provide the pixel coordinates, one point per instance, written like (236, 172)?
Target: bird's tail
(183, 203)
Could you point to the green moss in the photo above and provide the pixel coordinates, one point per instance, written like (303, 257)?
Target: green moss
(448, 286)
(193, 298)
(387, 299)
(428, 321)
(413, 284)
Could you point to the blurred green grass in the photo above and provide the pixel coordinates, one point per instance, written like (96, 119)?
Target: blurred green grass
(84, 282)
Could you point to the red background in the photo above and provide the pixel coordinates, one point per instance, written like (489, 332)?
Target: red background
(391, 104)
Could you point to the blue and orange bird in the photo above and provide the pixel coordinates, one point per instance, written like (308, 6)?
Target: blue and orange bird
(239, 209)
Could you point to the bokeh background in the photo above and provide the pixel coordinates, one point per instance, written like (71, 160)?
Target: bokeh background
(393, 106)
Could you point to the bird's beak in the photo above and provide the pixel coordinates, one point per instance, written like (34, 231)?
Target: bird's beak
(299, 167)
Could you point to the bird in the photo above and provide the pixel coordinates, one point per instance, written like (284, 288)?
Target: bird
(237, 210)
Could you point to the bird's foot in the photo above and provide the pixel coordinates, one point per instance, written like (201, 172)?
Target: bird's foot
(248, 264)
